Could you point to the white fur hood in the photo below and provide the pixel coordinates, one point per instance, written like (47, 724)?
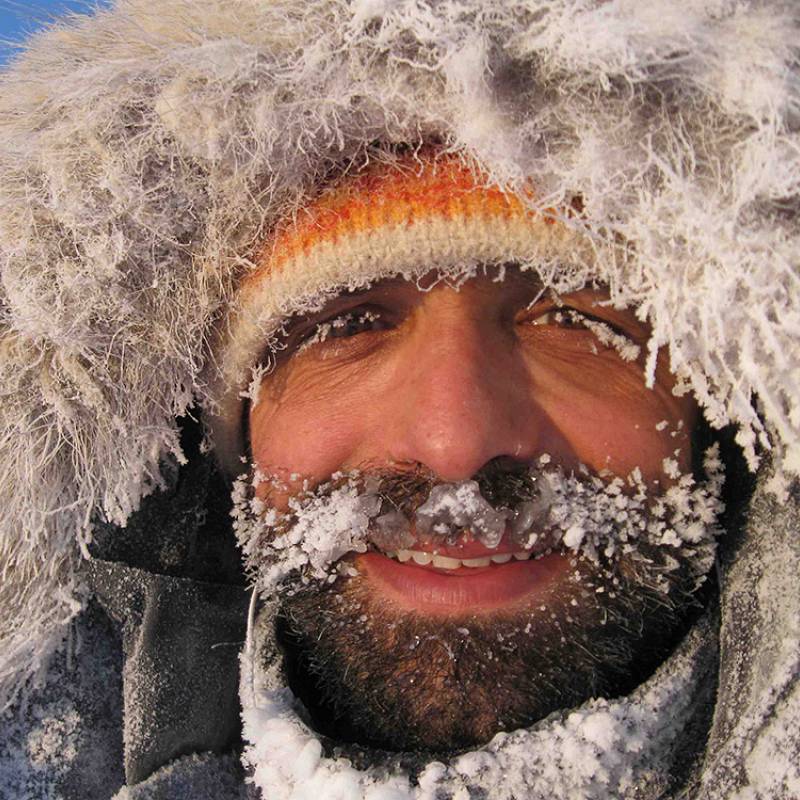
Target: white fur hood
(146, 149)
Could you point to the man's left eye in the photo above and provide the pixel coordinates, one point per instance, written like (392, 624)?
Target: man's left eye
(604, 332)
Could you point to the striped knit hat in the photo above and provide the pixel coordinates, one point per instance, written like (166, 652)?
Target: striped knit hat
(404, 218)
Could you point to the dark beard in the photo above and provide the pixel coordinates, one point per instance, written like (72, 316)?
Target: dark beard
(376, 676)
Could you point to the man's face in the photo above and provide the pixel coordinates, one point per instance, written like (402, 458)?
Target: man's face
(442, 642)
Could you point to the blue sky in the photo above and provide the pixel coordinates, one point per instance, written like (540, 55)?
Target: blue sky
(18, 18)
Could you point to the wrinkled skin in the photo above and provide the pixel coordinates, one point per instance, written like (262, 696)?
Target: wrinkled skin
(449, 381)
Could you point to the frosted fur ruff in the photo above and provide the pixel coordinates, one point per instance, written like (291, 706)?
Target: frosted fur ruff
(147, 149)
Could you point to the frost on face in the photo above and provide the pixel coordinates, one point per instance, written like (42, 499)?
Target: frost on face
(461, 506)
(324, 527)
(607, 336)
(342, 325)
(595, 517)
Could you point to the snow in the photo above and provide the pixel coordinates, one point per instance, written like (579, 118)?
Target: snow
(588, 514)
(55, 740)
(604, 748)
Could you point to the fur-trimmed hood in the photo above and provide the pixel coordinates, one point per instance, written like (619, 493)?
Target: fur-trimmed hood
(147, 149)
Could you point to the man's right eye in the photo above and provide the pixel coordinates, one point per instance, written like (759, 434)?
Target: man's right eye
(342, 326)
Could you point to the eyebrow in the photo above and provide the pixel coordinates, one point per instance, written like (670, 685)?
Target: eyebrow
(529, 279)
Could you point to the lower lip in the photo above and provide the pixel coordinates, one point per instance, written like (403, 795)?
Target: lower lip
(466, 589)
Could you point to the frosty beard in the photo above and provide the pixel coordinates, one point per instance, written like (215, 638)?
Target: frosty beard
(402, 681)
(378, 676)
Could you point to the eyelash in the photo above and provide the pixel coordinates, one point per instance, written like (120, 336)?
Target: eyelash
(607, 333)
(559, 315)
(340, 326)
(336, 327)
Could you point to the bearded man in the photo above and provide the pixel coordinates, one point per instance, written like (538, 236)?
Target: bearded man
(416, 381)
(496, 585)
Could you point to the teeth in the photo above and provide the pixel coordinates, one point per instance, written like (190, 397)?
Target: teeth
(476, 562)
(445, 562)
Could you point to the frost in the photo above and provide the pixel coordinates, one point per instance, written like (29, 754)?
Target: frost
(573, 537)
(627, 349)
(532, 514)
(323, 528)
(392, 531)
(671, 468)
(331, 328)
(55, 739)
(454, 507)
(591, 516)
(254, 387)
(366, 10)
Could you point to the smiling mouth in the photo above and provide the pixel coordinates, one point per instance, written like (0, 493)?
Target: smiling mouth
(424, 558)
(466, 579)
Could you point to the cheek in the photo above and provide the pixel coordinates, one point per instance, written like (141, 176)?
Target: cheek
(306, 429)
(611, 420)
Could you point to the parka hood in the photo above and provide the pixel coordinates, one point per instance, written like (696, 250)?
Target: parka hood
(147, 150)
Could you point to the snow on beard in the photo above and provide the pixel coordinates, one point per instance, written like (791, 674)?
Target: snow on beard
(598, 518)
(400, 681)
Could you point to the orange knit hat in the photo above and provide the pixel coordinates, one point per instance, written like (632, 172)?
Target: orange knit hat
(405, 218)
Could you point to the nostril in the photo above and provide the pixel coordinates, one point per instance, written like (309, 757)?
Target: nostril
(506, 464)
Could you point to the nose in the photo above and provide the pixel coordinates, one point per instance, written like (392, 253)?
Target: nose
(463, 397)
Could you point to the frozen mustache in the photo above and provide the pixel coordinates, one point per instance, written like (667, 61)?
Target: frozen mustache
(388, 510)
(543, 508)
(423, 509)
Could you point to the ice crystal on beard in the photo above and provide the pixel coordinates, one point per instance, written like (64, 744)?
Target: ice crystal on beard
(597, 519)
(392, 531)
(590, 516)
(316, 532)
(460, 506)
